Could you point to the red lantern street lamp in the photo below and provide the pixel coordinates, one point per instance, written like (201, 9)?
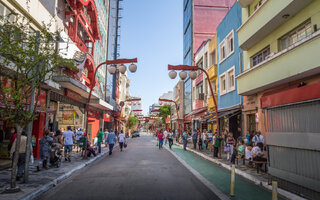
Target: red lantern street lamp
(192, 75)
(112, 70)
(171, 101)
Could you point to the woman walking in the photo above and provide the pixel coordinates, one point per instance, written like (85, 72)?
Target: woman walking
(45, 150)
(160, 138)
(230, 143)
(121, 139)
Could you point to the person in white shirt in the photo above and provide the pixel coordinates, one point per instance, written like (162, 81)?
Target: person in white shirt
(79, 134)
(170, 138)
(68, 142)
(258, 138)
(165, 133)
(121, 139)
(106, 132)
(248, 155)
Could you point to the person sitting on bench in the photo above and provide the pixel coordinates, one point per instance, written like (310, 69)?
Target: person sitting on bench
(257, 153)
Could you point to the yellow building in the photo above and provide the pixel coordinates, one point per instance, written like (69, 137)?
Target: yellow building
(212, 72)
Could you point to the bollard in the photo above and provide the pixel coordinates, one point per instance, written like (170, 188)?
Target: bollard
(232, 180)
(274, 190)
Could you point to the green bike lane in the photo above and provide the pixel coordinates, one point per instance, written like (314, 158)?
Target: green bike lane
(220, 177)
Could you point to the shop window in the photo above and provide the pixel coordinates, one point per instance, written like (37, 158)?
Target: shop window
(251, 122)
(296, 35)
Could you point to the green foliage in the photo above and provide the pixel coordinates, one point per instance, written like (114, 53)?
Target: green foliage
(132, 121)
(164, 112)
(27, 59)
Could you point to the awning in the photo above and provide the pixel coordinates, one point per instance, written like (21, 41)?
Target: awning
(194, 112)
(230, 113)
(101, 104)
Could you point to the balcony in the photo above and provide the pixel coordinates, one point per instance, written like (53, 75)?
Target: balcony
(294, 63)
(212, 72)
(271, 15)
(199, 104)
(199, 79)
(244, 3)
(211, 106)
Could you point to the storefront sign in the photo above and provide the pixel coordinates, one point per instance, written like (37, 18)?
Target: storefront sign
(73, 95)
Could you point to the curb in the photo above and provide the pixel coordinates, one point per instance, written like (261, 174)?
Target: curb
(264, 184)
(58, 180)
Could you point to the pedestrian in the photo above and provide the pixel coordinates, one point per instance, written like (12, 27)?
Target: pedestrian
(100, 137)
(45, 150)
(13, 137)
(185, 140)
(217, 144)
(68, 142)
(230, 142)
(165, 133)
(160, 138)
(210, 140)
(105, 135)
(194, 138)
(22, 154)
(248, 150)
(248, 137)
(79, 134)
(121, 140)
(111, 140)
(205, 138)
(170, 138)
(200, 142)
(258, 138)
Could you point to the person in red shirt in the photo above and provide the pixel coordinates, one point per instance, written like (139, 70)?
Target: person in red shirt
(12, 138)
(160, 138)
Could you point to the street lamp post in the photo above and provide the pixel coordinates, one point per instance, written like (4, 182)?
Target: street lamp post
(112, 70)
(171, 101)
(193, 75)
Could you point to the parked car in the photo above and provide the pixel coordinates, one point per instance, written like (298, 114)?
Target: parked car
(135, 134)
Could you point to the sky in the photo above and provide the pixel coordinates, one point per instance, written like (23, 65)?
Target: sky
(152, 31)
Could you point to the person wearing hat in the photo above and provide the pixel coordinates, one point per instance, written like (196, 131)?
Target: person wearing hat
(258, 138)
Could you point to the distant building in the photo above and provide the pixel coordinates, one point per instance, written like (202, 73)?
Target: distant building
(200, 20)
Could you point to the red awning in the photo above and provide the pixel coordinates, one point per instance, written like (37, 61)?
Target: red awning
(291, 95)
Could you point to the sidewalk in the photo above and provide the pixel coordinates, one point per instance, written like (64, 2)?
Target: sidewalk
(244, 171)
(43, 180)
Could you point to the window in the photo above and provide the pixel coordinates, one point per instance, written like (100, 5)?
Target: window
(223, 88)
(260, 56)
(296, 35)
(231, 80)
(226, 47)
(212, 58)
(214, 86)
(205, 60)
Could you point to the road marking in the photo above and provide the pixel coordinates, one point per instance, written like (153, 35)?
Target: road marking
(216, 191)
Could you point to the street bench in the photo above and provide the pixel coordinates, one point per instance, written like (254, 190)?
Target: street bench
(259, 164)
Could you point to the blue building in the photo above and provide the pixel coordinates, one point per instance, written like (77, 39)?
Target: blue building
(187, 56)
(229, 66)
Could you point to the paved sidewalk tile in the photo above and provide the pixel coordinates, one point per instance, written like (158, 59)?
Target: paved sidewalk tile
(41, 178)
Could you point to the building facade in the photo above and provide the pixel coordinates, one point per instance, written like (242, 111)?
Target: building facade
(177, 123)
(281, 79)
(200, 20)
(229, 66)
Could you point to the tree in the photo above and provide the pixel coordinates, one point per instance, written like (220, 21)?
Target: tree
(27, 60)
(132, 121)
(164, 112)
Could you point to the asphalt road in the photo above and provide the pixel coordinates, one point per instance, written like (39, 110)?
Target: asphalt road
(140, 172)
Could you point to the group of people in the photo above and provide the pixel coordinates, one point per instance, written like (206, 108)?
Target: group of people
(165, 135)
(52, 143)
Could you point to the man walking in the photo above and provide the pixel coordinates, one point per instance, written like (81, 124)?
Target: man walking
(100, 137)
(185, 140)
(194, 138)
(79, 134)
(68, 142)
(110, 140)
